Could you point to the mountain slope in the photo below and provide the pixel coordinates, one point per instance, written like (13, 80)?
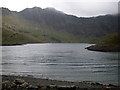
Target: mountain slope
(110, 43)
(11, 37)
(50, 25)
(72, 24)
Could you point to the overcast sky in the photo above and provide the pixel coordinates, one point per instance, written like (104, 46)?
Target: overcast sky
(80, 8)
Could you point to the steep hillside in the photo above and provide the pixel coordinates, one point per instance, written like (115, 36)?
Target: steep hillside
(50, 25)
(109, 43)
(11, 37)
(94, 26)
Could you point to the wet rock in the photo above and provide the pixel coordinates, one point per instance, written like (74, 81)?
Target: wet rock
(24, 85)
(66, 88)
(111, 85)
(48, 87)
(31, 87)
(19, 81)
(13, 85)
(42, 88)
(53, 86)
(6, 85)
(96, 84)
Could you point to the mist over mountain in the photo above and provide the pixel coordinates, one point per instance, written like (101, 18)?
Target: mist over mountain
(51, 25)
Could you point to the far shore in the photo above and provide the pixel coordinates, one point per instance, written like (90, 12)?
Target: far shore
(94, 47)
(103, 48)
(31, 43)
(11, 44)
(14, 44)
(28, 81)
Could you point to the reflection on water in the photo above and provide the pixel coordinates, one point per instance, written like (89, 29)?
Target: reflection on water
(70, 62)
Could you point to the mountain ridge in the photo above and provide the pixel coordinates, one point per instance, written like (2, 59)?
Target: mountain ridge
(50, 25)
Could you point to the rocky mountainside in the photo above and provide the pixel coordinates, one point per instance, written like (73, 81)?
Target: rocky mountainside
(50, 25)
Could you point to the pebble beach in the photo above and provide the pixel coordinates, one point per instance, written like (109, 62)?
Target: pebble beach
(31, 83)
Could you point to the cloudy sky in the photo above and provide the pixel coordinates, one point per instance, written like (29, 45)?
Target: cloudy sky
(80, 8)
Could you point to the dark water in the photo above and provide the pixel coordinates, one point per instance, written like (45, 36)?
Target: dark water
(71, 62)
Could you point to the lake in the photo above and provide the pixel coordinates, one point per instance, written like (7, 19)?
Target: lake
(70, 62)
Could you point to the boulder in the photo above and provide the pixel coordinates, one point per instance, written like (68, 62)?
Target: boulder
(19, 81)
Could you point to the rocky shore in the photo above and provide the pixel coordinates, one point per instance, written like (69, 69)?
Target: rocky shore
(30, 83)
(104, 48)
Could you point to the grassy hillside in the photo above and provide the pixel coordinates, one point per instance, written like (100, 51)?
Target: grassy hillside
(109, 43)
(111, 40)
(50, 26)
(11, 37)
(42, 32)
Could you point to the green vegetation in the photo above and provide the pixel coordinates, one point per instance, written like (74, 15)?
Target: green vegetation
(51, 26)
(11, 37)
(111, 40)
(109, 43)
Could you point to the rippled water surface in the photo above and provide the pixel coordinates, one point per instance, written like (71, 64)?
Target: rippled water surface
(71, 62)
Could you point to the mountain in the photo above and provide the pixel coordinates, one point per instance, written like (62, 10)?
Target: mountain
(11, 37)
(50, 25)
(110, 43)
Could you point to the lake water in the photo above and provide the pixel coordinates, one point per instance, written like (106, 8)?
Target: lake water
(70, 62)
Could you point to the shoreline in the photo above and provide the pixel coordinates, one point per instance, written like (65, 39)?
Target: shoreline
(37, 82)
(37, 43)
(103, 48)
